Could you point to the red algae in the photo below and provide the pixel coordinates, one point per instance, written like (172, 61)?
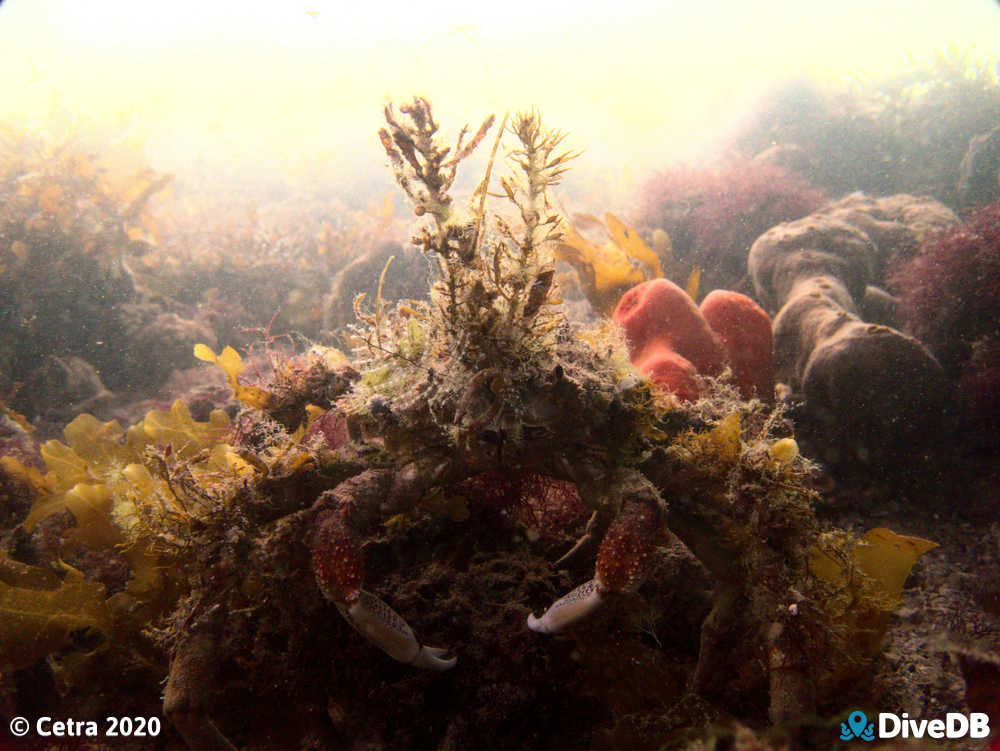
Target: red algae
(714, 215)
(950, 293)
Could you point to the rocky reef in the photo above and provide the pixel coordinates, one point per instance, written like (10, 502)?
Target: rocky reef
(467, 464)
(904, 133)
(871, 392)
(68, 230)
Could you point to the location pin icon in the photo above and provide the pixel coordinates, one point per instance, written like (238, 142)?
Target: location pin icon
(857, 722)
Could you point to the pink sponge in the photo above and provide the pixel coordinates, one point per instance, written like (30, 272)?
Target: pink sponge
(675, 373)
(744, 330)
(658, 314)
(672, 341)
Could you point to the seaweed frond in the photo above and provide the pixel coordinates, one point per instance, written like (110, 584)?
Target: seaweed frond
(488, 303)
(420, 162)
(607, 271)
(522, 267)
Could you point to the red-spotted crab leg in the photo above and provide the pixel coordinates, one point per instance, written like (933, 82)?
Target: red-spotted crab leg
(620, 563)
(338, 565)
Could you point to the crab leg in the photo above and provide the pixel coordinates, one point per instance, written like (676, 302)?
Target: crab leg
(620, 563)
(338, 565)
(192, 669)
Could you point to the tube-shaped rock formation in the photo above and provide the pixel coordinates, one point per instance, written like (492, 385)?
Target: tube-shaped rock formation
(872, 394)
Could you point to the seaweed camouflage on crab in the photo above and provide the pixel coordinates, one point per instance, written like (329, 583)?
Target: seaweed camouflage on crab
(522, 391)
(486, 377)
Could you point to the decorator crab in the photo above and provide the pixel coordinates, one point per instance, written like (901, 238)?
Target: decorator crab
(487, 377)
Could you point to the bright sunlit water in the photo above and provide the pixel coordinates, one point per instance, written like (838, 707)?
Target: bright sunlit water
(299, 87)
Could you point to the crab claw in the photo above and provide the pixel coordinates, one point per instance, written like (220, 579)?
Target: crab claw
(387, 630)
(339, 569)
(620, 562)
(569, 609)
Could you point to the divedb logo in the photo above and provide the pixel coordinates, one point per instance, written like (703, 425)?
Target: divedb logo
(954, 725)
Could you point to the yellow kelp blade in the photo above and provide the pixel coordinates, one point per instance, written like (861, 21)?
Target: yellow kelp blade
(865, 578)
(693, 283)
(629, 241)
(37, 622)
(883, 556)
(888, 558)
(231, 362)
(605, 271)
(183, 433)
